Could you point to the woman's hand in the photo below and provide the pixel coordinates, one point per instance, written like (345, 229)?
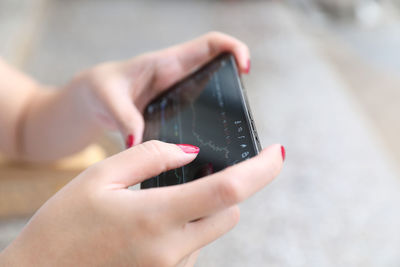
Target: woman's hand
(45, 125)
(97, 221)
(116, 93)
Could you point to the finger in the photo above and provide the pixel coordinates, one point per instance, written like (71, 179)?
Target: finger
(226, 188)
(180, 60)
(128, 118)
(206, 230)
(197, 52)
(144, 161)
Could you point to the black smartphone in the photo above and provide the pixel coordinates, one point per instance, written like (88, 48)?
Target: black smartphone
(208, 109)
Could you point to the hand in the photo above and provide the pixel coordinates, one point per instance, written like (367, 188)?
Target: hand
(46, 125)
(96, 221)
(116, 93)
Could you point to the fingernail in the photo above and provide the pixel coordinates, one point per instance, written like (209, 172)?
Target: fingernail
(129, 141)
(283, 153)
(248, 66)
(189, 149)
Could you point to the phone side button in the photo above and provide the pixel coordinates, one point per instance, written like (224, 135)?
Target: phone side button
(252, 124)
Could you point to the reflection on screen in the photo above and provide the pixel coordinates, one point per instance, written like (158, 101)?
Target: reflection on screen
(206, 110)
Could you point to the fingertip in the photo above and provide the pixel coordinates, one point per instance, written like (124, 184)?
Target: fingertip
(243, 59)
(133, 138)
(189, 149)
(138, 133)
(236, 47)
(247, 68)
(133, 135)
(190, 152)
(245, 54)
(130, 140)
(277, 149)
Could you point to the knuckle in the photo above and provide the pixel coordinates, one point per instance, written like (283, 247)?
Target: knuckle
(153, 147)
(229, 192)
(100, 74)
(147, 225)
(98, 170)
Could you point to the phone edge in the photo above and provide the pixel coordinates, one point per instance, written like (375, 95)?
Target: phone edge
(246, 105)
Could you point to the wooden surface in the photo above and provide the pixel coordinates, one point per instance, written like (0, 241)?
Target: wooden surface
(25, 187)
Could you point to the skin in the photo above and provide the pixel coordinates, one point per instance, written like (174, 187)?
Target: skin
(95, 220)
(108, 96)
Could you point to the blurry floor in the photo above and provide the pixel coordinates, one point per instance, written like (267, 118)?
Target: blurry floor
(325, 97)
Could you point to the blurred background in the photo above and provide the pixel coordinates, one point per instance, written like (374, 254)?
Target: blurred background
(324, 82)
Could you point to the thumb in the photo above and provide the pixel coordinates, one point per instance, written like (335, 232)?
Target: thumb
(144, 161)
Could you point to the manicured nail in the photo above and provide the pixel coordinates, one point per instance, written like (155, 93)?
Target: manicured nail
(283, 153)
(248, 66)
(189, 149)
(129, 141)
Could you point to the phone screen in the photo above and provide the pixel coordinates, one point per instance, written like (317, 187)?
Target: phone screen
(208, 109)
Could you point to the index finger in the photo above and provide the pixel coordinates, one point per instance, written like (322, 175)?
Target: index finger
(201, 50)
(197, 52)
(221, 190)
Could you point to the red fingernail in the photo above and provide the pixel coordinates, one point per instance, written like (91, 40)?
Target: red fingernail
(283, 153)
(189, 149)
(248, 66)
(129, 141)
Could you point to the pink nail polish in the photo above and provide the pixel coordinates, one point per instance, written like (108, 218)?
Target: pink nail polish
(189, 149)
(248, 67)
(129, 141)
(283, 153)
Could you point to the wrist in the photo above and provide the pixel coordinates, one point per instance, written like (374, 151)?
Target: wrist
(55, 118)
(79, 96)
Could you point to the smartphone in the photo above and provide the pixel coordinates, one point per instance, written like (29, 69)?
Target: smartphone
(208, 109)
